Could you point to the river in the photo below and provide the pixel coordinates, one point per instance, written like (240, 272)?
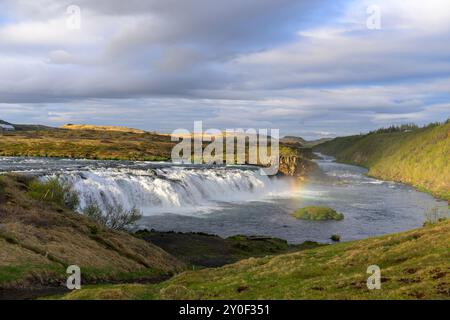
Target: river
(232, 200)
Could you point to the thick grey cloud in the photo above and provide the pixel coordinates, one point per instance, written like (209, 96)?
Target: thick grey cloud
(136, 48)
(306, 67)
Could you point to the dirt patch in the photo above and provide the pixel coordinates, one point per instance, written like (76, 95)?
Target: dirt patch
(31, 294)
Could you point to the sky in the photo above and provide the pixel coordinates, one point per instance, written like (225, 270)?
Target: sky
(309, 68)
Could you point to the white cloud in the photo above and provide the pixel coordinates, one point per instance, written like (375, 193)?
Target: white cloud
(259, 63)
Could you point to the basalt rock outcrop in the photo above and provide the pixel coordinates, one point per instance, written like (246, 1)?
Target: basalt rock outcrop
(299, 165)
(296, 166)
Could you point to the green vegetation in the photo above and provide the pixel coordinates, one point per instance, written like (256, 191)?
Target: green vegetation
(53, 191)
(335, 238)
(414, 265)
(317, 213)
(11, 274)
(416, 156)
(205, 250)
(40, 236)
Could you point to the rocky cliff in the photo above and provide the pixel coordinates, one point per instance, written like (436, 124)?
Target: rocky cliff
(296, 161)
(297, 166)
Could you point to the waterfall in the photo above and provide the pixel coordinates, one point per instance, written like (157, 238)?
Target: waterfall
(171, 189)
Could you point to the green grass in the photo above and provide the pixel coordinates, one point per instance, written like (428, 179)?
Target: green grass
(317, 213)
(420, 157)
(9, 274)
(414, 265)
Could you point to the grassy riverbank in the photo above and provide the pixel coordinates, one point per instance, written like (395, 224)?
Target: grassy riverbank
(39, 239)
(419, 157)
(414, 265)
(41, 236)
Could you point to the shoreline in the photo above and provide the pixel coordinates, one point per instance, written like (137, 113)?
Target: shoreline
(435, 195)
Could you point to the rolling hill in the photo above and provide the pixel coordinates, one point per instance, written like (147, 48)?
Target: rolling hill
(419, 157)
(23, 127)
(414, 265)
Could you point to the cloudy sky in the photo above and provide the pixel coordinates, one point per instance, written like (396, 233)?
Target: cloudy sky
(310, 68)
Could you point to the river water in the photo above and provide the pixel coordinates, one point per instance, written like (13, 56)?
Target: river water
(237, 199)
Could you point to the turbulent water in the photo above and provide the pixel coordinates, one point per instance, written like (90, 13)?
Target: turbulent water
(237, 200)
(153, 188)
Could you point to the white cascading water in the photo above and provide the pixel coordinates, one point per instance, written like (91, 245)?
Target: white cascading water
(172, 189)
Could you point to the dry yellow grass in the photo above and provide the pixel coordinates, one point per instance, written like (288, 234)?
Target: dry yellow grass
(101, 128)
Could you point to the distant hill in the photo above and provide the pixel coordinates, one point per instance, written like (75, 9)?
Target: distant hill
(101, 128)
(313, 143)
(420, 157)
(293, 139)
(4, 125)
(302, 142)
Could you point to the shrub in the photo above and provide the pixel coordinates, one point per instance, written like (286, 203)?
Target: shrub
(335, 238)
(54, 191)
(114, 217)
(317, 213)
(93, 211)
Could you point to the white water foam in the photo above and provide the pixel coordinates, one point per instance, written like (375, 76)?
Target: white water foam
(171, 190)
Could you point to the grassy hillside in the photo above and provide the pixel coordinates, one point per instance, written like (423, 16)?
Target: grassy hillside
(419, 157)
(38, 240)
(94, 142)
(414, 265)
(40, 237)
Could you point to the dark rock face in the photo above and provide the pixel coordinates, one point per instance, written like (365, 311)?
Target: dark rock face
(206, 250)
